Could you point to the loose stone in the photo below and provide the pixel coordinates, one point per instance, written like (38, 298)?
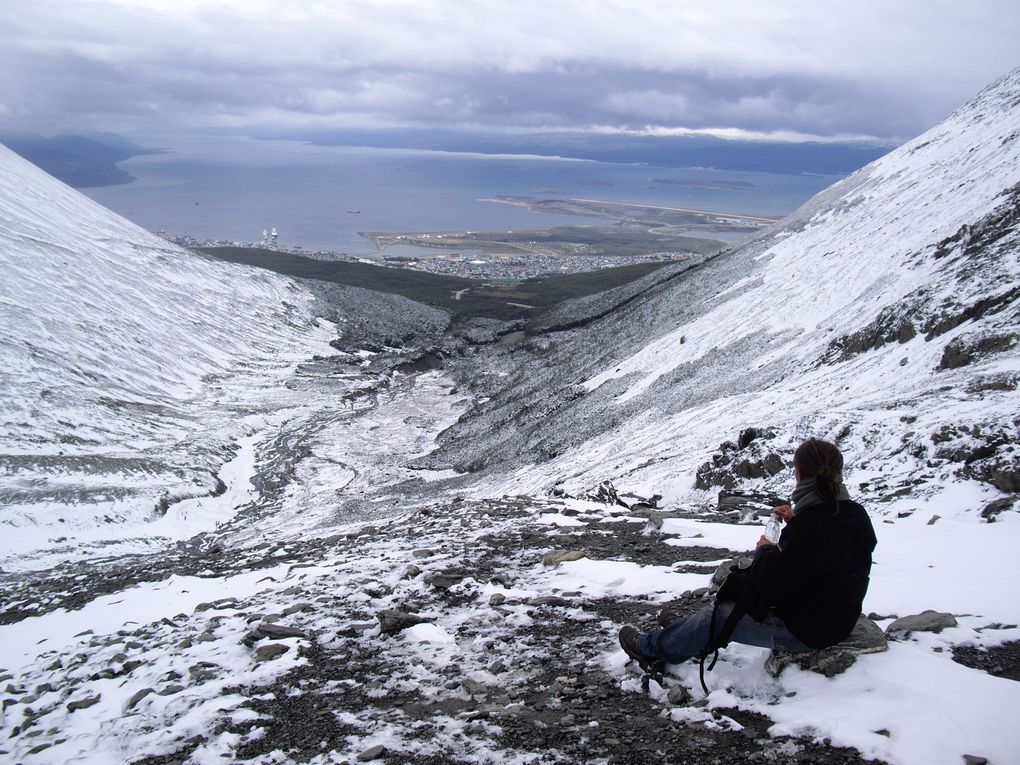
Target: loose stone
(556, 557)
(85, 703)
(392, 621)
(374, 753)
(926, 621)
(278, 631)
(548, 600)
(138, 696)
(270, 652)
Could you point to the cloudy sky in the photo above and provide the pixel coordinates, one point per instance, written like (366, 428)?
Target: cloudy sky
(880, 68)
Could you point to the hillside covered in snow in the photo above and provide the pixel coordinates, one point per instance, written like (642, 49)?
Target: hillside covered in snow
(881, 315)
(133, 370)
(252, 519)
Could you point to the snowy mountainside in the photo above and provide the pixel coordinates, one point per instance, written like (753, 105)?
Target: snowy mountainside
(882, 314)
(133, 369)
(362, 600)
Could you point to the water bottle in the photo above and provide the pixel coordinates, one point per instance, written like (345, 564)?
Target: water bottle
(773, 528)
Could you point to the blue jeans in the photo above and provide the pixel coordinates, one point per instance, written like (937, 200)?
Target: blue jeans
(687, 638)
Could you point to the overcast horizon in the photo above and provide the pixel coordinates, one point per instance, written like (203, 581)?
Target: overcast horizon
(790, 71)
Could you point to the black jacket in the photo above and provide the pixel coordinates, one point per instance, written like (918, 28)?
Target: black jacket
(816, 577)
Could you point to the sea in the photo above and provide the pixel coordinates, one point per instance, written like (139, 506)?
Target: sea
(319, 198)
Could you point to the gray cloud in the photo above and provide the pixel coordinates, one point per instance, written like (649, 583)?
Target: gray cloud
(883, 69)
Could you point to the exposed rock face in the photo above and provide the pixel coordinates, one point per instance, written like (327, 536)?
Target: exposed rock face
(444, 580)
(987, 452)
(998, 506)
(965, 350)
(136, 697)
(375, 753)
(867, 637)
(894, 324)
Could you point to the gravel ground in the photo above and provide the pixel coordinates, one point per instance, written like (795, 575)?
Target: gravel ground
(1001, 660)
(547, 696)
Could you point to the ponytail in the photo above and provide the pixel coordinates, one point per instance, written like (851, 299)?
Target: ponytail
(825, 484)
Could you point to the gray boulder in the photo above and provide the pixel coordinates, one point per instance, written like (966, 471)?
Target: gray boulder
(556, 557)
(85, 703)
(867, 637)
(278, 631)
(392, 621)
(135, 698)
(446, 580)
(926, 621)
(270, 652)
(998, 506)
(548, 600)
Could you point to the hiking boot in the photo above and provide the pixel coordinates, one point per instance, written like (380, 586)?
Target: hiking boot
(667, 616)
(629, 643)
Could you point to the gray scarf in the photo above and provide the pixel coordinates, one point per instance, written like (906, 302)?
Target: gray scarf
(805, 496)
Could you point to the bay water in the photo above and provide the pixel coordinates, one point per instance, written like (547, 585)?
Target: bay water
(232, 188)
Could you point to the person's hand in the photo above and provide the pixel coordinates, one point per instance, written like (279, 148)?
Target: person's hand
(783, 511)
(762, 541)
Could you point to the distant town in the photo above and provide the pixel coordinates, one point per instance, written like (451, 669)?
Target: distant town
(636, 234)
(492, 267)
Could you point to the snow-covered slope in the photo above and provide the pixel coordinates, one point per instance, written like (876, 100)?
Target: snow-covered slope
(882, 314)
(130, 366)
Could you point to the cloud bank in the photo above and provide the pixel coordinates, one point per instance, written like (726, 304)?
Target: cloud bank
(879, 69)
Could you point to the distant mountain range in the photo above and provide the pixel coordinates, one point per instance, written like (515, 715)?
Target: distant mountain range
(80, 161)
(810, 157)
(90, 159)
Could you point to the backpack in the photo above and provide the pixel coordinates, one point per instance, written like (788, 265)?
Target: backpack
(738, 588)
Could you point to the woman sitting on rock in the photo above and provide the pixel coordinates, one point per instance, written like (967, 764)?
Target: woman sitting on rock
(808, 586)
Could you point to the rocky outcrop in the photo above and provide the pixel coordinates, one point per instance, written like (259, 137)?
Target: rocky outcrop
(604, 492)
(895, 324)
(971, 241)
(968, 349)
(867, 637)
(987, 453)
(750, 457)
